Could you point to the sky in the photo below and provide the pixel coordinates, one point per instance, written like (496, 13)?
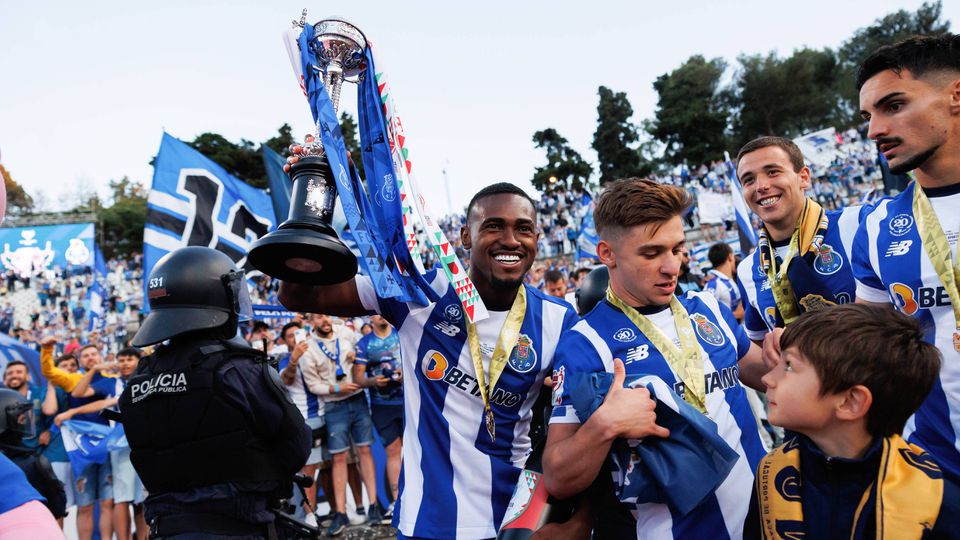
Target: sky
(87, 88)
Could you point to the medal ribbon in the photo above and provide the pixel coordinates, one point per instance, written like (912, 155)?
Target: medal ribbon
(685, 361)
(937, 246)
(808, 233)
(507, 339)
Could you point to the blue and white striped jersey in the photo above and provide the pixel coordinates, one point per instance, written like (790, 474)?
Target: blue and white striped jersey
(455, 482)
(723, 289)
(821, 277)
(891, 265)
(606, 333)
(309, 404)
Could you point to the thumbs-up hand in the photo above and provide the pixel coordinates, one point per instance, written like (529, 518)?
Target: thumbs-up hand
(629, 412)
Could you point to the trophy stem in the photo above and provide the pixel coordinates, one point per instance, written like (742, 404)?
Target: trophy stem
(333, 80)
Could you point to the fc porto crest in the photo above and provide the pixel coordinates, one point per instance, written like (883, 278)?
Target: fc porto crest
(524, 357)
(707, 331)
(828, 261)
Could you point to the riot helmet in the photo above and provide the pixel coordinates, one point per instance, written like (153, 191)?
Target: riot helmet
(592, 289)
(16, 417)
(190, 289)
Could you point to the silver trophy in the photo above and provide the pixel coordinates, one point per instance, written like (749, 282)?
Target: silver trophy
(305, 248)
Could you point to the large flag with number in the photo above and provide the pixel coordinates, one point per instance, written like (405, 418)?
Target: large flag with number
(195, 202)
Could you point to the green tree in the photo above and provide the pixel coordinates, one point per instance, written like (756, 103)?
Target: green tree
(785, 97)
(18, 200)
(614, 136)
(240, 160)
(121, 224)
(348, 128)
(692, 111)
(565, 167)
(884, 31)
(281, 142)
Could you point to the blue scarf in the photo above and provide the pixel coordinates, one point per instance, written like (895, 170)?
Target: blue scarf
(374, 227)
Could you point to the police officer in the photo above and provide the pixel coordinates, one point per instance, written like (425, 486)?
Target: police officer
(16, 420)
(213, 436)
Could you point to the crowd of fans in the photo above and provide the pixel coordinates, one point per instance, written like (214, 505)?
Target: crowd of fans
(85, 338)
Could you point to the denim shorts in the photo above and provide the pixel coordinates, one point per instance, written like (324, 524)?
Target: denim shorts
(94, 484)
(127, 487)
(348, 419)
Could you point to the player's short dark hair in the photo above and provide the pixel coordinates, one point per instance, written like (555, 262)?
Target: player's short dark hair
(497, 189)
(553, 276)
(289, 325)
(631, 202)
(580, 272)
(783, 143)
(129, 351)
(874, 346)
(85, 347)
(719, 253)
(918, 55)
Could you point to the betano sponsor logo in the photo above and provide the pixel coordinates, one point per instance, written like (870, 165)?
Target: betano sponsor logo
(436, 367)
(909, 301)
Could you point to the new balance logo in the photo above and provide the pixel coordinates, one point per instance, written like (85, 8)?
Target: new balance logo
(447, 328)
(636, 354)
(899, 248)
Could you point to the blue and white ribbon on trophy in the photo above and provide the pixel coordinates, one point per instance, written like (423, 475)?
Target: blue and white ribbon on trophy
(376, 226)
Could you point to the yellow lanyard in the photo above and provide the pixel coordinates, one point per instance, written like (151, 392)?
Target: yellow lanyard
(809, 232)
(509, 334)
(937, 246)
(780, 285)
(685, 361)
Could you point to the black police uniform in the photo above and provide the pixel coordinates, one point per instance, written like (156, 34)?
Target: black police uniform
(213, 435)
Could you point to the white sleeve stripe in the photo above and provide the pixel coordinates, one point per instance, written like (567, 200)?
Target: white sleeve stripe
(870, 294)
(603, 351)
(873, 233)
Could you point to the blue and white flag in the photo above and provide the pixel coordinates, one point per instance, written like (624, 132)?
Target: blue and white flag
(588, 239)
(99, 264)
(11, 350)
(748, 236)
(278, 182)
(97, 296)
(86, 443)
(195, 202)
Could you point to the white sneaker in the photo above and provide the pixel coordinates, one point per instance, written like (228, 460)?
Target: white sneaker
(311, 520)
(355, 517)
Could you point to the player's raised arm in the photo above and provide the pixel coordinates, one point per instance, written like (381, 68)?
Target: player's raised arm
(341, 299)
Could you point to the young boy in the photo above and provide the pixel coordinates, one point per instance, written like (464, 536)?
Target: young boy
(847, 380)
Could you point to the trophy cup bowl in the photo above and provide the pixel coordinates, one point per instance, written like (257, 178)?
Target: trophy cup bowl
(305, 248)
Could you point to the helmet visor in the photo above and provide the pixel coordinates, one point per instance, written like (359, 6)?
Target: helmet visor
(20, 419)
(236, 284)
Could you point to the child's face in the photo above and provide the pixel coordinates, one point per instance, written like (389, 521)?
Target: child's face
(793, 392)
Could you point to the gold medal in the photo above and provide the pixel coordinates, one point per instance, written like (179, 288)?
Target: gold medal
(506, 341)
(491, 425)
(937, 247)
(685, 361)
